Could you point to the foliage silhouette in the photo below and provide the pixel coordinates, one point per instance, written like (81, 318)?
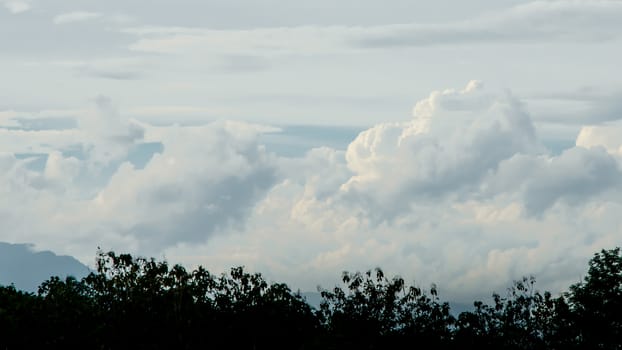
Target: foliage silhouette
(149, 304)
(375, 310)
(597, 302)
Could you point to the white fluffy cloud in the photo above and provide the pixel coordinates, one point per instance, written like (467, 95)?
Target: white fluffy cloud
(204, 179)
(108, 135)
(478, 187)
(455, 139)
(464, 194)
(608, 136)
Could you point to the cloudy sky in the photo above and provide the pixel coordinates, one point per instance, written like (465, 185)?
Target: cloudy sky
(462, 143)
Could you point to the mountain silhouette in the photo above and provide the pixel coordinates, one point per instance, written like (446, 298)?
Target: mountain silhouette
(25, 268)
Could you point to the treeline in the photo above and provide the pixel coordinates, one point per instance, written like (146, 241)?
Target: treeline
(145, 304)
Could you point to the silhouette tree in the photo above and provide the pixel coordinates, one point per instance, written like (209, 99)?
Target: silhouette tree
(18, 314)
(376, 312)
(149, 304)
(162, 307)
(597, 302)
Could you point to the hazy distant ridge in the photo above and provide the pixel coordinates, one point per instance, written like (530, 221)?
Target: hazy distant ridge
(26, 269)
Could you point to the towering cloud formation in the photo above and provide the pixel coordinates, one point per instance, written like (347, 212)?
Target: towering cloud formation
(464, 194)
(470, 145)
(455, 140)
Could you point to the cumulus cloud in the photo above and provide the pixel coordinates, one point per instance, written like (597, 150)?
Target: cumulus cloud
(463, 194)
(202, 181)
(608, 136)
(455, 139)
(575, 176)
(77, 16)
(108, 136)
(206, 179)
(469, 145)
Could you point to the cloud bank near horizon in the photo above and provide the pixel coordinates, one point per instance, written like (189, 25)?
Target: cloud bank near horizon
(464, 194)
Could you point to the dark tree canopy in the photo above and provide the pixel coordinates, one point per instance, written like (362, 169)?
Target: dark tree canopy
(597, 302)
(148, 304)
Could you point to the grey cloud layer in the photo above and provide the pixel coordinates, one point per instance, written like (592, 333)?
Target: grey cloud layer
(206, 56)
(589, 21)
(251, 14)
(540, 21)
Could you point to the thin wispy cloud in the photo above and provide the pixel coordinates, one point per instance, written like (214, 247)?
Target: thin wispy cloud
(539, 21)
(17, 6)
(77, 16)
(562, 21)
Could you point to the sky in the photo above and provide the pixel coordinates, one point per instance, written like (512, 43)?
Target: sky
(465, 144)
